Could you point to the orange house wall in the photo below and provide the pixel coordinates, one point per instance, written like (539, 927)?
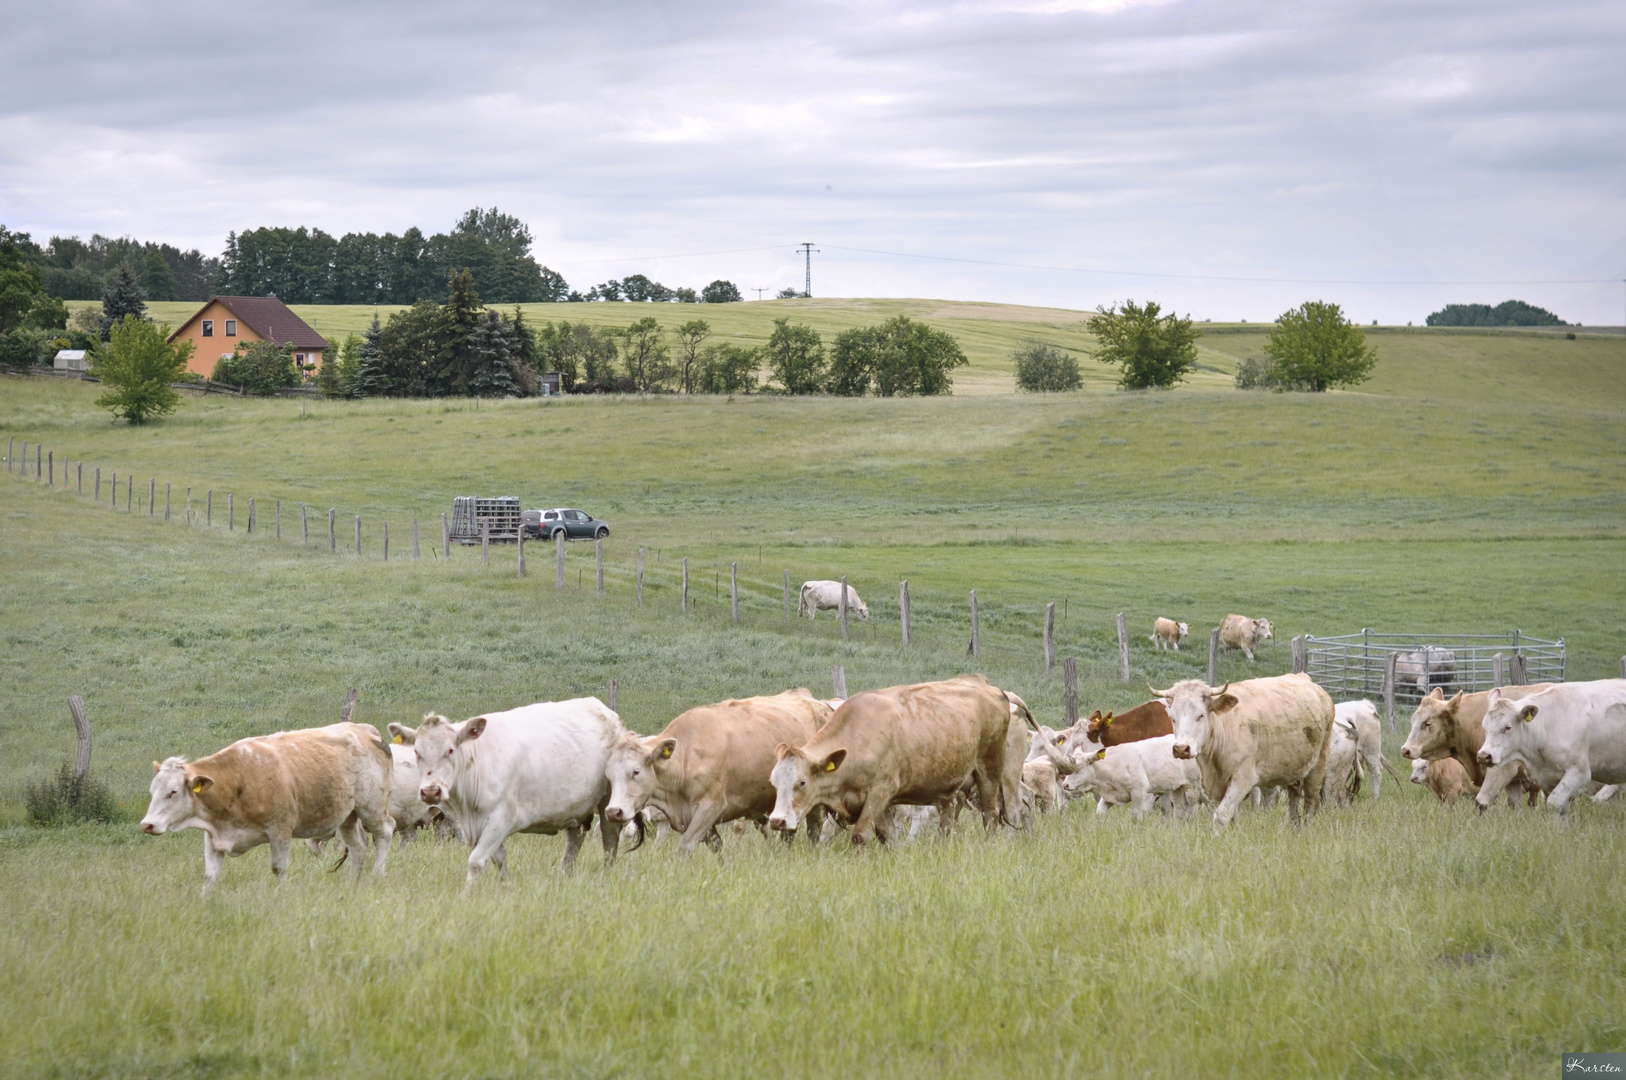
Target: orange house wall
(208, 350)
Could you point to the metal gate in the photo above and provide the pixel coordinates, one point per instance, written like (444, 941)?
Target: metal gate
(1357, 665)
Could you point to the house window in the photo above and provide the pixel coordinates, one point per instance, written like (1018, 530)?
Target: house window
(231, 327)
(208, 328)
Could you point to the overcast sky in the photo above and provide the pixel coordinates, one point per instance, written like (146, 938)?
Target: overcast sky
(1228, 159)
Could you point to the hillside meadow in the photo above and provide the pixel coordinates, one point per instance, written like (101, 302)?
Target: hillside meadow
(1475, 484)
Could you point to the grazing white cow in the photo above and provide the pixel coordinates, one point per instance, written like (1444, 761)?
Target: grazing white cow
(1137, 773)
(820, 596)
(536, 769)
(1263, 732)
(1566, 735)
(1355, 753)
(1241, 632)
(273, 789)
(1167, 632)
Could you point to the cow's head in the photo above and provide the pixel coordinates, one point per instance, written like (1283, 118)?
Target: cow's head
(1185, 628)
(1098, 725)
(634, 771)
(861, 608)
(1262, 630)
(1432, 726)
(1506, 718)
(175, 789)
(1192, 706)
(439, 744)
(1419, 771)
(1083, 776)
(801, 783)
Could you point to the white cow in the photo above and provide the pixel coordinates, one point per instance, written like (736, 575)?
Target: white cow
(1241, 632)
(826, 596)
(1566, 736)
(1167, 632)
(1356, 751)
(537, 769)
(1137, 773)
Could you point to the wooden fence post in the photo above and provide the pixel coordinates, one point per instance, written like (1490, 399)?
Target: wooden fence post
(734, 588)
(520, 556)
(838, 676)
(358, 536)
(559, 570)
(485, 545)
(251, 515)
(231, 511)
(1301, 655)
(843, 607)
(1497, 669)
(415, 552)
(333, 530)
(640, 577)
(189, 504)
(348, 709)
(167, 486)
(10, 439)
(129, 494)
(81, 729)
(1123, 649)
(279, 519)
(1050, 636)
(50, 461)
(612, 694)
(208, 505)
(976, 635)
(1518, 676)
(1069, 698)
(98, 496)
(39, 468)
(1213, 657)
(598, 559)
(903, 610)
(386, 542)
(445, 538)
(79, 474)
(1389, 689)
(787, 599)
(685, 601)
(152, 497)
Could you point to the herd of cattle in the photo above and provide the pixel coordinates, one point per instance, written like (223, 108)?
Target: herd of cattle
(883, 763)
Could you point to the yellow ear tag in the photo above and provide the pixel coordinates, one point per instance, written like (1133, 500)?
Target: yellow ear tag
(666, 751)
(829, 766)
(396, 740)
(197, 787)
(1060, 739)
(1101, 755)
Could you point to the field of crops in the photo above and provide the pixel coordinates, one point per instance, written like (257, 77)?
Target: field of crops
(1480, 484)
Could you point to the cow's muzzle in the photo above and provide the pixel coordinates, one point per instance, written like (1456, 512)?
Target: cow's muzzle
(1408, 753)
(615, 813)
(1485, 758)
(151, 828)
(777, 823)
(1182, 751)
(431, 794)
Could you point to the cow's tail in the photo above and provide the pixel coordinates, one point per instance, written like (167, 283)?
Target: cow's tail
(1022, 707)
(344, 855)
(1391, 769)
(638, 822)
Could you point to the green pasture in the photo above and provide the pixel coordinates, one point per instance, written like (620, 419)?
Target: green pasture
(1477, 484)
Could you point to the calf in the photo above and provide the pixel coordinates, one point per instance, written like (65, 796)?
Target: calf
(272, 789)
(1241, 632)
(1455, 727)
(1167, 632)
(1355, 753)
(1137, 773)
(1445, 777)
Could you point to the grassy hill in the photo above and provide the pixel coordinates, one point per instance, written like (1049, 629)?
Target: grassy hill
(1477, 483)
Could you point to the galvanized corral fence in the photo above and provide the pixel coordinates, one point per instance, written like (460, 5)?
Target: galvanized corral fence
(1403, 668)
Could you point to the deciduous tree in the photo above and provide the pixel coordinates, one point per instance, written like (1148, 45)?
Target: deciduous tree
(690, 336)
(137, 364)
(1154, 351)
(796, 357)
(1313, 347)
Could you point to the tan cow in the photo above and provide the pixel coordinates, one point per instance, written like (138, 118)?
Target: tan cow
(711, 764)
(1167, 632)
(1262, 732)
(1454, 727)
(1241, 632)
(1445, 777)
(919, 744)
(272, 789)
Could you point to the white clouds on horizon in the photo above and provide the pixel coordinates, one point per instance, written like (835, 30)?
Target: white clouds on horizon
(1369, 140)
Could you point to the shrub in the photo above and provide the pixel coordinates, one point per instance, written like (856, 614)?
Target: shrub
(728, 369)
(258, 367)
(1507, 313)
(1256, 374)
(66, 799)
(1045, 369)
(720, 292)
(137, 364)
(25, 347)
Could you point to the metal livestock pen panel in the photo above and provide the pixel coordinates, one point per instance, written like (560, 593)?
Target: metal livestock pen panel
(498, 518)
(1356, 664)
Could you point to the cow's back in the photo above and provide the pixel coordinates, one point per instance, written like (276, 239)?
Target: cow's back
(1283, 723)
(732, 742)
(546, 760)
(305, 781)
(930, 737)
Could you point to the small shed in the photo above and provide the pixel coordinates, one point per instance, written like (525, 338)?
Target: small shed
(70, 360)
(550, 384)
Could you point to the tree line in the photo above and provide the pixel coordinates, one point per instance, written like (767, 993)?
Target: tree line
(1507, 313)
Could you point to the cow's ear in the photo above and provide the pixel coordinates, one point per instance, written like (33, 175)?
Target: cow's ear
(1435, 694)
(1100, 755)
(1060, 738)
(1493, 697)
(200, 783)
(1528, 713)
(780, 751)
(663, 752)
(1222, 703)
(156, 767)
(471, 730)
(402, 735)
(833, 762)
(1106, 721)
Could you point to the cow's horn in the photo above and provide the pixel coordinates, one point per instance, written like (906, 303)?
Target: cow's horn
(1218, 693)
(1159, 693)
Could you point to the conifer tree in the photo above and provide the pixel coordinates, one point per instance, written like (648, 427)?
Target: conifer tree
(121, 296)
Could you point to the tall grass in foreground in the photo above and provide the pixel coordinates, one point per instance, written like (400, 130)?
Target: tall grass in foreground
(1392, 938)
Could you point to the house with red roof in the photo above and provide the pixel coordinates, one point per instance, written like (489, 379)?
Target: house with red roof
(227, 321)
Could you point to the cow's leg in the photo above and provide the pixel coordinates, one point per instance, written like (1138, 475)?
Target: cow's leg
(813, 825)
(701, 824)
(214, 861)
(380, 825)
(609, 833)
(1140, 802)
(1497, 778)
(282, 845)
(1242, 781)
(487, 847)
(1295, 800)
(573, 845)
(1575, 778)
(880, 797)
(991, 795)
(355, 843)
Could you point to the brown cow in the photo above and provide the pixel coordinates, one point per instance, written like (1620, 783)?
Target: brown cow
(1262, 732)
(1148, 721)
(1445, 777)
(711, 764)
(919, 744)
(272, 789)
(1454, 727)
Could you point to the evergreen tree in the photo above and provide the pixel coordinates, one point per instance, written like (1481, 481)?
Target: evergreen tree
(370, 379)
(121, 296)
(157, 279)
(461, 314)
(490, 349)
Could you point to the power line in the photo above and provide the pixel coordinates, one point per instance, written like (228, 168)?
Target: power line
(684, 255)
(1212, 277)
(808, 249)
